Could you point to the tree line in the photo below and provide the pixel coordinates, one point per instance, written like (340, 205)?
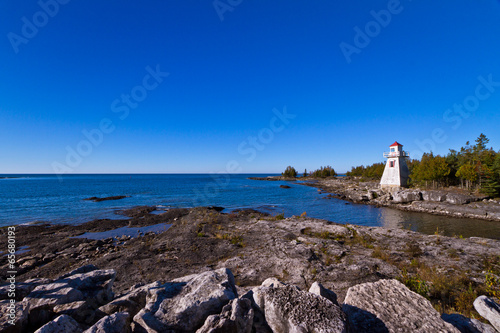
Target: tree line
(322, 172)
(474, 167)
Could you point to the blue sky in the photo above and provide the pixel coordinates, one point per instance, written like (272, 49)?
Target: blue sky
(252, 86)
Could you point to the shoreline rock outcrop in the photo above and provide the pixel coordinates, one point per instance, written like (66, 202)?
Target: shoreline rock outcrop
(437, 202)
(209, 302)
(138, 280)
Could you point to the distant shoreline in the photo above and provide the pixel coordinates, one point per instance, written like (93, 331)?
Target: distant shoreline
(437, 202)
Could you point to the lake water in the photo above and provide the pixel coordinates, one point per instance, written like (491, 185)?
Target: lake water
(31, 198)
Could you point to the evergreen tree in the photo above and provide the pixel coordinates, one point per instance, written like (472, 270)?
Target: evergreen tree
(290, 172)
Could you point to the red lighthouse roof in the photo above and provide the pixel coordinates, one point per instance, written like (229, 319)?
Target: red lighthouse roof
(396, 144)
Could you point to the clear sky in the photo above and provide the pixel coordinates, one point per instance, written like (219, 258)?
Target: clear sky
(239, 85)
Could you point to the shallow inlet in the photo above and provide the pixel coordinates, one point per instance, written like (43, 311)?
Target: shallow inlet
(125, 231)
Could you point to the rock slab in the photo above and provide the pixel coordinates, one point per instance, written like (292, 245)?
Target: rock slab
(185, 303)
(489, 309)
(288, 309)
(389, 306)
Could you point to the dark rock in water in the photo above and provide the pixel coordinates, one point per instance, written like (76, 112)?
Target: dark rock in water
(284, 186)
(137, 211)
(269, 178)
(216, 208)
(116, 197)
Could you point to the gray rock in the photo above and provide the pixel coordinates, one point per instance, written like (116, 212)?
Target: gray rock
(272, 282)
(52, 294)
(62, 324)
(490, 310)
(406, 196)
(437, 196)
(132, 302)
(288, 309)
(79, 270)
(458, 199)
(467, 325)
(80, 311)
(185, 303)
(237, 316)
(96, 285)
(13, 316)
(318, 289)
(22, 288)
(116, 323)
(388, 306)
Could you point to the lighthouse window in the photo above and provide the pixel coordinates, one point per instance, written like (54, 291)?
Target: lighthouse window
(391, 164)
(393, 149)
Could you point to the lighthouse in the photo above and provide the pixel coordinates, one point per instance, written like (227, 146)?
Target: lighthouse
(396, 171)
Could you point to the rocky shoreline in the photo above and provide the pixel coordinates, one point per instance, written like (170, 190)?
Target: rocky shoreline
(142, 277)
(455, 203)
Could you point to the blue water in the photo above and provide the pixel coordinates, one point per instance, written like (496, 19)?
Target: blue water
(32, 198)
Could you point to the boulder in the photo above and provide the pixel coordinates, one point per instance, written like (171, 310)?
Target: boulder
(62, 324)
(185, 303)
(95, 285)
(489, 309)
(467, 325)
(288, 309)
(80, 311)
(52, 294)
(406, 196)
(388, 306)
(13, 316)
(132, 302)
(437, 196)
(318, 289)
(237, 316)
(458, 199)
(22, 288)
(116, 323)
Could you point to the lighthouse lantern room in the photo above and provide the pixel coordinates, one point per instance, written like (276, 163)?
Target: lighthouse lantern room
(396, 171)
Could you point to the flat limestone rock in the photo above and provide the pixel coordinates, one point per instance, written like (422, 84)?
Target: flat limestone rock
(132, 302)
(489, 309)
(62, 324)
(288, 309)
(116, 323)
(13, 316)
(389, 306)
(185, 303)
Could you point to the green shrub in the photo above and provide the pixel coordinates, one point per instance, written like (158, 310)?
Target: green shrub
(290, 172)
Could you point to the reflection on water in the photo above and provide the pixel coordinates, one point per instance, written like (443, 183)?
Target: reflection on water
(447, 226)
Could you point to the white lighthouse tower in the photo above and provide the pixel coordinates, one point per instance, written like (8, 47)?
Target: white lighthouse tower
(396, 171)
